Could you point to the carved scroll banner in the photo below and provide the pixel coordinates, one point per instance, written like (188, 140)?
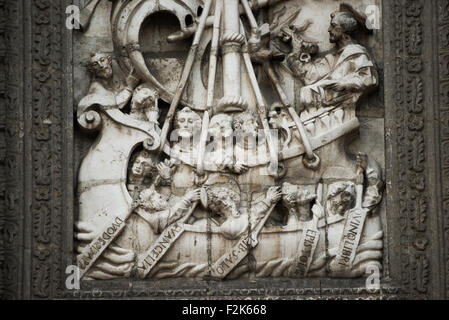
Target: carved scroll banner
(95, 249)
(227, 262)
(306, 250)
(349, 240)
(161, 246)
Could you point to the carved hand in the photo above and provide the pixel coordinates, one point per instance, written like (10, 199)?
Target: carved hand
(318, 210)
(274, 194)
(239, 168)
(193, 195)
(341, 85)
(164, 170)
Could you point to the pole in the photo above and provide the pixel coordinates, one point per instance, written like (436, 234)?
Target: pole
(210, 86)
(185, 74)
(312, 161)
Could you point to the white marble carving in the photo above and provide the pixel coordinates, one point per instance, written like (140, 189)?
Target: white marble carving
(190, 189)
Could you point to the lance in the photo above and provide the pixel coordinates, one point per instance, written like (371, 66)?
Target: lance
(210, 86)
(185, 75)
(262, 108)
(311, 160)
(253, 5)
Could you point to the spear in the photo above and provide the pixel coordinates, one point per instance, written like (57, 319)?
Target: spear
(185, 74)
(262, 108)
(210, 86)
(311, 160)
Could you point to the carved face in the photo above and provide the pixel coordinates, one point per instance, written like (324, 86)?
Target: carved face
(186, 122)
(285, 35)
(336, 32)
(141, 166)
(341, 197)
(221, 126)
(146, 100)
(274, 120)
(246, 123)
(293, 196)
(277, 119)
(144, 96)
(101, 65)
(223, 202)
(153, 200)
(342, 25)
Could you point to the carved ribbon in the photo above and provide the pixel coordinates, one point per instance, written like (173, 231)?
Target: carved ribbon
(163, 243)
(227, 262)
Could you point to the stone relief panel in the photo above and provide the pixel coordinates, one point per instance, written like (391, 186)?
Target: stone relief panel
(227, 139)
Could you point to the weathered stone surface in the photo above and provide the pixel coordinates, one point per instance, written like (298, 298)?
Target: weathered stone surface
(315, 87)
(310, 203)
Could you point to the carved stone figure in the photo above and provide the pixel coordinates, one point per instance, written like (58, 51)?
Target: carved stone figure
(340, 197)
(187, 127)
(144, 105)
(343, 75)
(144, 172)
(197, 196)
(298, 202)
(375, 184)
(246, 129)
(156, 211)
(221, 152)
(224, 202)
(102, 88)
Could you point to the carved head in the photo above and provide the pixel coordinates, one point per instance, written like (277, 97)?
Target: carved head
(276, 115)
(293, 196)
(310, 48)
(187, 122)
(223, 201)
(142, 165)
(221, 125)
(100, 65)
(246, 123)
(342, 25)
(144, 102)
(153, 200)
(341, 197)
(285, 34)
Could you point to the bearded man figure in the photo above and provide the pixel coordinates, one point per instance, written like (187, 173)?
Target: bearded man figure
(152, 214)
(102, 90)
(220, 152)
(298, 201)
(340, 198)
(223, 203)
(144, 105)
(345, 74)
(185, 136)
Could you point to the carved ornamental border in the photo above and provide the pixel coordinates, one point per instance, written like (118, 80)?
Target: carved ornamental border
(37, 171)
